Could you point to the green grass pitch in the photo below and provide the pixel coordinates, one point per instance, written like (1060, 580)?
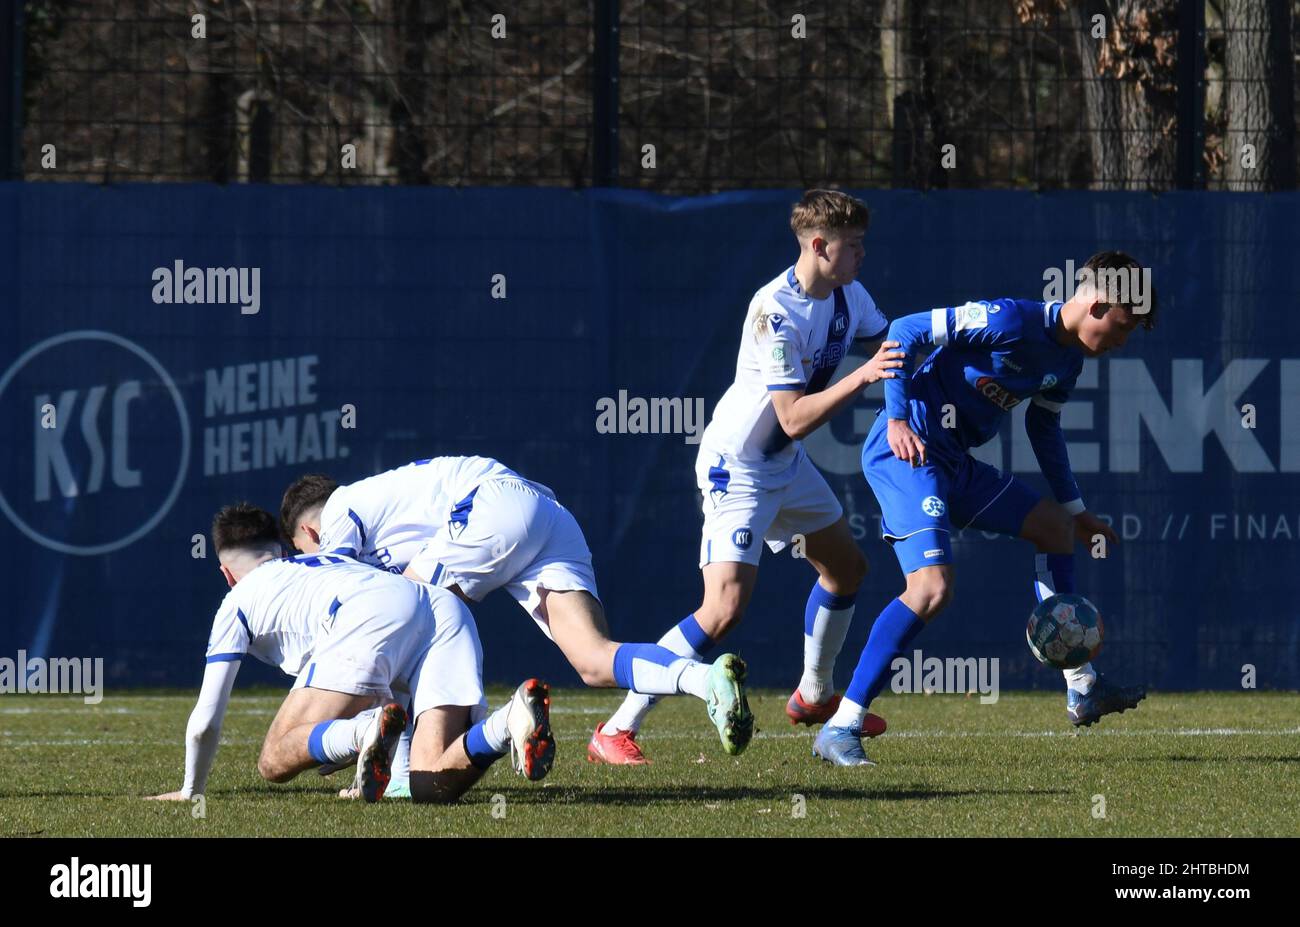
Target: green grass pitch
(1182, 764)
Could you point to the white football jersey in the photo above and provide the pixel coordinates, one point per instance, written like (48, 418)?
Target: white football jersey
(276, 612)
(384, 520)
(789, 342)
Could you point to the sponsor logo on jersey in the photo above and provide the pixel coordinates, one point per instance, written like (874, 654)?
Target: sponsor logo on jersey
(742, 538)
(839, 325)
(1048, 381)
(933, 552)
(996, 393)
(777, 321)
(932, 506)
(829, 356)
(1010, 364)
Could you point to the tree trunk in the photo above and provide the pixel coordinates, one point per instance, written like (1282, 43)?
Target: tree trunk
(409, 109)
(1259, 72)
(905, 52)
(1101, 99)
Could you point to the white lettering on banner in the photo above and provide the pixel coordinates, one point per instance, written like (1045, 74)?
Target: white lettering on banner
(1134, 407)
(275, 441)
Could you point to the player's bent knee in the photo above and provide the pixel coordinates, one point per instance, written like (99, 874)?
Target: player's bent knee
(596, 676)
(855, 572)
(720, 619)
(272, 772)
(1052, 529)
(930, 595)
(442, 787)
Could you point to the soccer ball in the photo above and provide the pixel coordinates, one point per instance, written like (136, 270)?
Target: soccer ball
(1065, 631)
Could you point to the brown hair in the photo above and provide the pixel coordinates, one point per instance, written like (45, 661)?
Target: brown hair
(1118, 260)
(244, 525)
(828, 211)
(303, 495)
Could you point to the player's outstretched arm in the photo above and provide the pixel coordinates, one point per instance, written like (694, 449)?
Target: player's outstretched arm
(801, 414)
(1043, 426)
(203, 732)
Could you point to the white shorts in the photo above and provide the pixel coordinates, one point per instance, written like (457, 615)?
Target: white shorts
(450, 671)
(736, 516)
(516, 536)
(409, 642)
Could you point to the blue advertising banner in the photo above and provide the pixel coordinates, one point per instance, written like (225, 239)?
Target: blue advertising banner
(348, 331)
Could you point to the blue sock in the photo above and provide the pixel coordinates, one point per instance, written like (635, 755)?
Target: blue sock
(826, 620)
(692, 635)
(1053, 573)
(480, 751)
(316, 743)
(895, 628)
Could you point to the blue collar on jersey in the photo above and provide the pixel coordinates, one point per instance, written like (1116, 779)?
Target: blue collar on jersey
(795, 285)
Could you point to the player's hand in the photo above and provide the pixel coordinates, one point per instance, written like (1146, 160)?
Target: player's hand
(905, 443)
(882, 364)
(168, 796)
(1087, 526)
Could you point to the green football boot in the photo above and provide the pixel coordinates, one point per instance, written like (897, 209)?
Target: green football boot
(728, 709)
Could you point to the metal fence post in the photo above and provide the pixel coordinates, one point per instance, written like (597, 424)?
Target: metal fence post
(11, 92)
(604, 95)
(1190, 167)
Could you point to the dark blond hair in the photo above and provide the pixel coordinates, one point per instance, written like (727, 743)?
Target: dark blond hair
(828, 211)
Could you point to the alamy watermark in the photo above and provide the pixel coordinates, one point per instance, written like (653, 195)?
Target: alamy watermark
(951, 675)
(1130, 286)
(76, 879)
(655, 416)
(55, 676)
(241, 286)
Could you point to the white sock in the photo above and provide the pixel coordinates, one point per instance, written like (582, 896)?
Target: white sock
(630, 715)
(820, 650)
(401, 765)
(1081, 679)
(693, 679)
(495, 731)
(849, 715)
(341, 739)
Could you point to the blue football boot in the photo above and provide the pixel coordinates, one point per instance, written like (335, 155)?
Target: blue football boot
(1103, 699)
(841, 746)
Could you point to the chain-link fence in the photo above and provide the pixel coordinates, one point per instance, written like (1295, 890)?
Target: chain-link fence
(664, 95)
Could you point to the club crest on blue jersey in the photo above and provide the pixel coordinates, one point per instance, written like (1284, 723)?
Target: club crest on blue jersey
(742, 538)
(932, 506)
(1048, 381)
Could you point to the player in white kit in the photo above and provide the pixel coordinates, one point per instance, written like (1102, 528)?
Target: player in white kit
(354, 637)
(756, 480)
(473, 525)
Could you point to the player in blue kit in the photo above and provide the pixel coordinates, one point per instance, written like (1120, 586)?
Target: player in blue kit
(990, 355)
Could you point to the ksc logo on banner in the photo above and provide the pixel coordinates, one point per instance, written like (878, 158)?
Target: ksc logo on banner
(100, 442)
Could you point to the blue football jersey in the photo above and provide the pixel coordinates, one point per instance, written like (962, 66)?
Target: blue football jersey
(990, 356)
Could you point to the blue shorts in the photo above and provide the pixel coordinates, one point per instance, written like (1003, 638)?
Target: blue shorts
(919, 505)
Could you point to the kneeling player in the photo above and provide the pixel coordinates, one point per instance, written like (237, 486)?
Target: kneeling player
(990, 356)
(472, 525)
(355, 637)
